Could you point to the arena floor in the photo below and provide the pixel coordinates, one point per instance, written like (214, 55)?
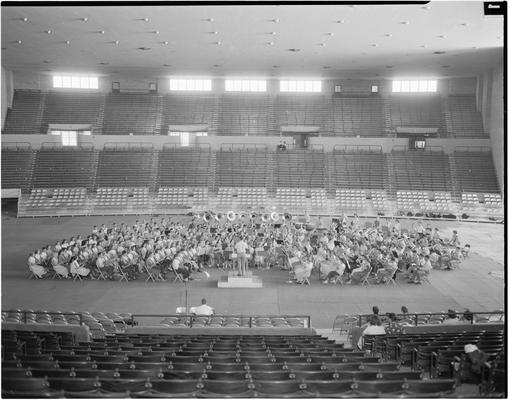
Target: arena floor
(477, 285)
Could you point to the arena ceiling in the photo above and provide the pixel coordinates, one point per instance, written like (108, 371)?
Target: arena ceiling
(255, 40)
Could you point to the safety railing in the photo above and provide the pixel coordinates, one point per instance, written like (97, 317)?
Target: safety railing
(211, 321)
(422, 318)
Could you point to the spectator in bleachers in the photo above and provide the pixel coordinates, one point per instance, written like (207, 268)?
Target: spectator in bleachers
(452, 318)
(204, 308)
(374, 328)
(393, 327)
(478, 358)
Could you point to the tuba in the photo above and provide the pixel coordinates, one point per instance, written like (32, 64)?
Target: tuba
(274, 216)
(231, 216)
(265, 217)
(219, 217)
(207, 217)
(287, 217)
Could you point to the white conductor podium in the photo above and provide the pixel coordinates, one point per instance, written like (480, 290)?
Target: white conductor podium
(248, 281)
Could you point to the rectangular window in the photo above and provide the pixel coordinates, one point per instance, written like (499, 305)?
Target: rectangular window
(414, 86)
(300, 86)
(75, 82)
(204, 85)
(245, 85)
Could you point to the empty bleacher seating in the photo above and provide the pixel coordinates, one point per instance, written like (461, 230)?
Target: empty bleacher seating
(177, 197)
(124, 167)
(64, 167)
(417, 170)
(352, 116)
(298, 168)
(122, 198)
(57, 199)
(359, 170)
(184, 167)
(415, 111)
(73, 108)
(244, 114)
(308, 109)
(242, 168)
(16, 166)
(24, 117)
(291, 198)
(135, 113)
(476, 172)
(465, 119)
(190, 109)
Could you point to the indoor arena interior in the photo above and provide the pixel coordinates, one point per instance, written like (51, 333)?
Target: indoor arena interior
(253, 200)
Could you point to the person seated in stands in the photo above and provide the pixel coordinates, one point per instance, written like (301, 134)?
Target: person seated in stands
(204, 308)
(374, 328)
(387, 272)
(468, 316)
(452, 318)
(38, 270)
(393, 327)
(477, 359)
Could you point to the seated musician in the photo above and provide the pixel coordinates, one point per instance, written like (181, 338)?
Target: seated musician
(76, 268)
(359, 273)
(390, 266)
(37, 269)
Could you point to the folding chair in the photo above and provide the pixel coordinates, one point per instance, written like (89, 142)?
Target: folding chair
(101, 275)
(77, 276)
(178, 275)
(365, 278)
(123, 276)
(150, 275)
(392, 279)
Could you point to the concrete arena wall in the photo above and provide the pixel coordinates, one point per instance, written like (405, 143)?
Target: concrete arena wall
(215, 142)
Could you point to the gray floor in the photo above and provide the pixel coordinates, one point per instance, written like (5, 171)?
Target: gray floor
(472, 286)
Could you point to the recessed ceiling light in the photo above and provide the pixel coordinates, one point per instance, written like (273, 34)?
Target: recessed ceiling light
(19, 41)
(156, 32)
(374, 45)
(218, 43)
(272, 33)
(145, 19)
(405, 22)
(275, 20)
(388, 35)
(67, 42)
(214, 33)
(25, 19)
(323, 44)
(84, 19)
(166, 65)
(102, 32)
(464, 24)
(270, 43)
(144, 48)
(276, 66)
(116, 42)
(165, 42)
(341, 21)
(442, 36)
(210, 20)
(294, 50)
(439, 52)
(330, 33)
(48, 31)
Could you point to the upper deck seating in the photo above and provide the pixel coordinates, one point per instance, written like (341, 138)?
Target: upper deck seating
(476, 172)
(128, 113)
(291, 198)
(241, 197)
(242, 168)
(417, 170)
(190, 109)
(244, 114)
(465, 119)
(127, 168)
(184, 167)
(297, 168)
(122, 198)
(72, 108)
(359, 170)
(16, 167)
(175, 197)
(65, 167)
(56, 199)
(308, 109)
(415, 111)
(25, 114)
(352, 116)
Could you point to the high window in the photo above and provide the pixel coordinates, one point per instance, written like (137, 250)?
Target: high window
(300, 86)
(191, 84)
(414, 86)
(75, 82)
(245, 85)
(69, 138)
